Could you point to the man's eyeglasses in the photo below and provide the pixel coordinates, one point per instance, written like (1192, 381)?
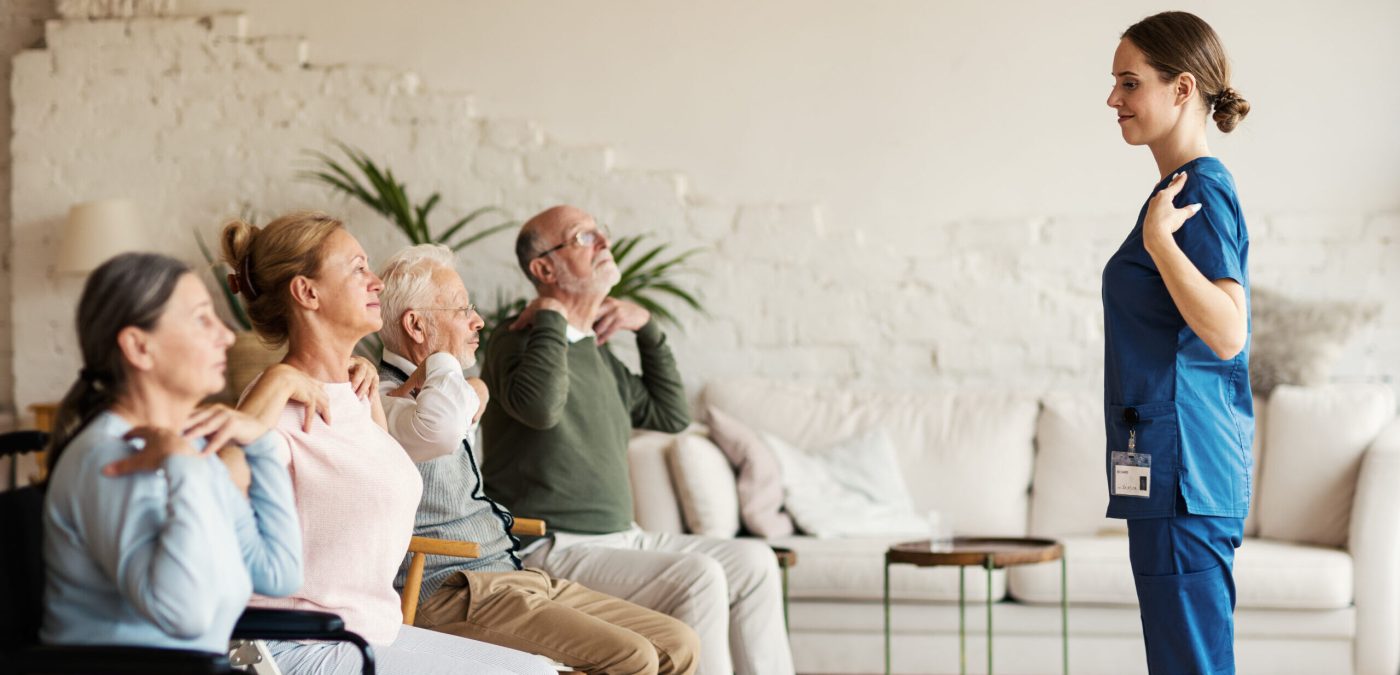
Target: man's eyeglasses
(466, 311)
(585, 238)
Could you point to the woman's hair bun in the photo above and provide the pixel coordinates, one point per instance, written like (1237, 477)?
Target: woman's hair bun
(1230, 109)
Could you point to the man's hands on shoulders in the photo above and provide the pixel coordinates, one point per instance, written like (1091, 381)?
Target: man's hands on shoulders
(541, 303)
(615, 315)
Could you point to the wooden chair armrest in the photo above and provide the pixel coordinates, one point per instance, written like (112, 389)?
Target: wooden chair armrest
(421, 548)
(529, 527)
(431, 546)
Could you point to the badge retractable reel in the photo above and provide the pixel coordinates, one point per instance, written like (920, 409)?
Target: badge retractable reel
(1132, 470)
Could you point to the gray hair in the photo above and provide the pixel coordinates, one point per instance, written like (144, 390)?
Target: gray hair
(131, 289)
(408, 283)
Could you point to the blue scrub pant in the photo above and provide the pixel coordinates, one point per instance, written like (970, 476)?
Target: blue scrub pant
(1184, 571)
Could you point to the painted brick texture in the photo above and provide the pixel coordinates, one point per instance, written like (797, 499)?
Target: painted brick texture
(199, 119)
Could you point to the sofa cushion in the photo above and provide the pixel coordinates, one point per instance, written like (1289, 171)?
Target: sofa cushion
(849, 489)
(760, 481)
(1268, 575)
(1261, 413)
(853, 569)
(966, 453)
(1070, 491)
(705, 485)
(654, 502)
(1315, 438)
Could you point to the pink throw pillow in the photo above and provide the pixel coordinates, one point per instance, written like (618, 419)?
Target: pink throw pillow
(760, 476)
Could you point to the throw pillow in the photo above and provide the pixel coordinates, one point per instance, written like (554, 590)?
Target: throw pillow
(705, 486)
(760, 479)
(834, 492)
(1316, 438)
(1297, 341)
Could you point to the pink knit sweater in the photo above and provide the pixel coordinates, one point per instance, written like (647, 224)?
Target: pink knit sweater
(356, 494)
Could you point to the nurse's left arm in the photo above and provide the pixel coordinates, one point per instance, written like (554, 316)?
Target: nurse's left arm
(1215, 309)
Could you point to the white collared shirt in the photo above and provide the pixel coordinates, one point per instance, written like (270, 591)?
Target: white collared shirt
(434, 423)
(574, 335)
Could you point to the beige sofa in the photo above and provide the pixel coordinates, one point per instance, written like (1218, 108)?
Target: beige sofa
(1318, 577)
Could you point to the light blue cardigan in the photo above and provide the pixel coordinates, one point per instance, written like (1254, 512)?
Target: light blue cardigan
(164, 559)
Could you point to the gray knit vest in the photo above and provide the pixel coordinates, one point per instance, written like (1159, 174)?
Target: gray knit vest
(455, 506)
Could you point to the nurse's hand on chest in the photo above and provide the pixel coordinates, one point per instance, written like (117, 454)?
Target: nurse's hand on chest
(1163, 218)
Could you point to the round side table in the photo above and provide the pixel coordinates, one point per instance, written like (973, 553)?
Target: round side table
(986, 552)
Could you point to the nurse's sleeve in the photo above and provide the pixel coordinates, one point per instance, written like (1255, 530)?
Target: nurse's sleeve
(149, 533)
(1213, 238)
(269, 533)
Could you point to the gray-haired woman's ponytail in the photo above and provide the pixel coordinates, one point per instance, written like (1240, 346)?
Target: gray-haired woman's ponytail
(131, 289)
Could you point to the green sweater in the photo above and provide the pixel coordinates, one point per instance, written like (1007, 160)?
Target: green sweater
(555, 433)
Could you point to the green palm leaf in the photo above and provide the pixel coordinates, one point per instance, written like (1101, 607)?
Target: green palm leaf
(377, 187)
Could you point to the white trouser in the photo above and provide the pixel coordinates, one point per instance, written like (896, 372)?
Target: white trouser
(728, 590)
(415, 652)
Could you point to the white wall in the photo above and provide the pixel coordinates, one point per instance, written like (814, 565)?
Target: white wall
(21, 26)
(896, 111)
(902, 192)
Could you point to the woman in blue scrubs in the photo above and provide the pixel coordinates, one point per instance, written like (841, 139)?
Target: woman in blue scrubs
(1178, 410)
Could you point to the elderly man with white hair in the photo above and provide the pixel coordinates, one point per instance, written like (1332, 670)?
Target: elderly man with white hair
(429, 334)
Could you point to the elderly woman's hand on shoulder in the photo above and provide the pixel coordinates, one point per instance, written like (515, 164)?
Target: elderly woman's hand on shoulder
(280, 385)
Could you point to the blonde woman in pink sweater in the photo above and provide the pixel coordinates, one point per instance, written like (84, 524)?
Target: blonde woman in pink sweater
(307, 283)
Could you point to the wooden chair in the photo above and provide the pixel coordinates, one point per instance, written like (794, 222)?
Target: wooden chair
(422, 547)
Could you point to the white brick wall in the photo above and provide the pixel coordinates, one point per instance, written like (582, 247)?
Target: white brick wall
(21, 26)
(194, 119)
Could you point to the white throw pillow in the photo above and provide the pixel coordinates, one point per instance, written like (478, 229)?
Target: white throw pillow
(851, 488)
(1316, 437)
(966, 452)
(705, 485)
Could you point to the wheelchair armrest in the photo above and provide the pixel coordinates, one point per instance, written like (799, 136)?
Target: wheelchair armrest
(298, 624)
(112, 659)
(287, 624)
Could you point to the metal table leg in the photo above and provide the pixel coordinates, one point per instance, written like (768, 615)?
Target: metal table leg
(887, 616)
(787, 623)
(1064, 610)
(989, 615)
(962, 620)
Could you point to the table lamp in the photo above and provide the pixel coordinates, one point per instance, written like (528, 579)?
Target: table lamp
(95, 231)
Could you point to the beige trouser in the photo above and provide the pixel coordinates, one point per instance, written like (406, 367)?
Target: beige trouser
(728, 590)
(563, 620)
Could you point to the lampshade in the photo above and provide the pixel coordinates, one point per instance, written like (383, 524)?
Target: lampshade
(95, 232)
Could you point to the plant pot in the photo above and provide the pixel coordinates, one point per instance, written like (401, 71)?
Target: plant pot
(247, 358)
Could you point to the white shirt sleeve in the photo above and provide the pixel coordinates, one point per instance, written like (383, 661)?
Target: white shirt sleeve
(433, 424)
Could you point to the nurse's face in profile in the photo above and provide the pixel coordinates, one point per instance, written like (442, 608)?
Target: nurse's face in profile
(1147, 107)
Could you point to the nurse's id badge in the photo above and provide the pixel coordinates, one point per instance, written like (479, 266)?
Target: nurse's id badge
(1132, 471)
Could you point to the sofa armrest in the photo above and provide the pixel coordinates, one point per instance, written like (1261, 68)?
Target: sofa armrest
(1374, 543)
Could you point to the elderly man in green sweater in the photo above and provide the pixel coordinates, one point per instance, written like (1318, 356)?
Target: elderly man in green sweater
(555, 447)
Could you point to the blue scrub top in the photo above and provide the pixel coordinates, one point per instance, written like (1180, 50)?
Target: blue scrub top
(1194, 412)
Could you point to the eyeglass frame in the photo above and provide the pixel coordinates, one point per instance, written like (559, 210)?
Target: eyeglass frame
(469, 309)
(577, 239)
